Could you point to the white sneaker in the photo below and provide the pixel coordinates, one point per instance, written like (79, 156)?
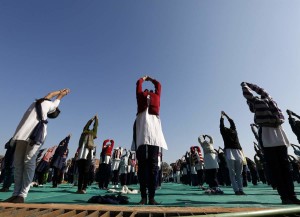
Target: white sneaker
(123, 191)
(117, 186)
(208, 191)
(112, 186)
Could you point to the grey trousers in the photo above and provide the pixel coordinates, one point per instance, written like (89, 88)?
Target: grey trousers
(25, 163)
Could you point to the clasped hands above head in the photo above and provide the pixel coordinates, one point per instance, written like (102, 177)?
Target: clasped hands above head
(65, 91)
(147, 78)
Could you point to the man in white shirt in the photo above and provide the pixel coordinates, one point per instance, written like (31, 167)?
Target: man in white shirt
(27, 147)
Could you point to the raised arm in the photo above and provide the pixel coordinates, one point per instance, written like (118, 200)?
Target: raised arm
(222, 127)
(104, 143)
(88, 124)
(59, 94)
(201, 139)
(231, 122)
(112, 142)
(156, 84)
(95, 127)
(248, 88)
(139, 85)
(290, 113)
(254, 129)
(211, 140)
(294, 114)
(65, 140)
(256, 147)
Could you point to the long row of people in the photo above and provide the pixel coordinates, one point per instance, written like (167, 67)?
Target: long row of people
(220, 166)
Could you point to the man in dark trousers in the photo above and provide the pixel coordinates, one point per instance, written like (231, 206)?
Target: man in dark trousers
(273, 140)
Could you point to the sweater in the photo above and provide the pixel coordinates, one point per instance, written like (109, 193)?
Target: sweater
(142, 98)
(265, 109)
(230, 136)
(86, 131)
(107, 147)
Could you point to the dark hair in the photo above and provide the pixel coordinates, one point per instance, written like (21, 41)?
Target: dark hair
(54, 114)
(51, 115)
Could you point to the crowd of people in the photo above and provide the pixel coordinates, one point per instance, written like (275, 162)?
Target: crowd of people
(229, 166)
(26, 163)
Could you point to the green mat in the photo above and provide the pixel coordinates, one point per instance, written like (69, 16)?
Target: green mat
(170, 195)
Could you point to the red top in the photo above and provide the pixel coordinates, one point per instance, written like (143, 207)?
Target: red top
(141, 97)
(107, 149)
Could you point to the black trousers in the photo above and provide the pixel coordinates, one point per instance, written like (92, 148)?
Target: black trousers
(244, 175)
(56, 177)
(115, 178)
(262, 176)
(200, 177)
(8, 166)
(194, 179)
(280, 174)
(147, 156)
(123, 179)
(83, 173)
(129, 178)
(277, 162)
(104, 175)
(211, 177)
(254, 177)
(223, 176)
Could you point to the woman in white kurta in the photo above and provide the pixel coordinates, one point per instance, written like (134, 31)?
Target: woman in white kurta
(210, 162)
(148, 137)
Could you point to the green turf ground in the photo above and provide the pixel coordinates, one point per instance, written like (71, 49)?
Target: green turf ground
(169, 195)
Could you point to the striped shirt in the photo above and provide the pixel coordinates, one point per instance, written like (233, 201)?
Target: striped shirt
(265, 109)
(199, 156)
(196, 155)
